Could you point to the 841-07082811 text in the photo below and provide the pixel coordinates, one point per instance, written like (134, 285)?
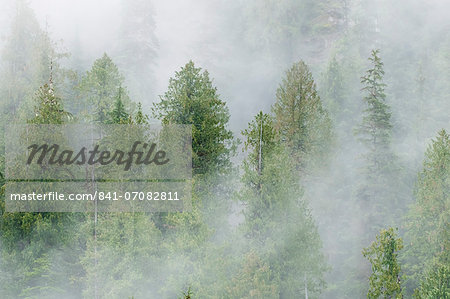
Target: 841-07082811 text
(135, 195)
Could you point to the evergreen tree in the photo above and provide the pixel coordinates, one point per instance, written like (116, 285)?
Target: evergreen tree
(385, 280)
(140, 118)
(100, 87)
(255, 280)
(300, 120)
(49, 108)
(27, 58)
(376, 127)
(428, 237)
(277, 219)
(29, 238)
(18, 67)
(118, 115)
(436, 284)
(333, 90)
(381, 194)
(192, 99)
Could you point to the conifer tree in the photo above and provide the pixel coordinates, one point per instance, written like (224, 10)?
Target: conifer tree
(100, 88)
(333, 90)
(24, 246)
(436, 284)
(300, 120)
(380, 194)
(385, 280)
(192, 99)
(277, 219)
(49, 108)
(140, 118)
(118, 115)
(428, 221)
(376, 127)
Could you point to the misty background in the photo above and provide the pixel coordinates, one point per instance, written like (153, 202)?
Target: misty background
(247, 46)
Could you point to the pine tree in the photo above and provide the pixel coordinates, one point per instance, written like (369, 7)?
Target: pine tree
(18, 67)
(118, 115)
(333, 90)
(277, 219)
(192, 99)
(301, 121)
(427, 236)
(436, 284)
(376, 127)
(49, 108)
(100, 88)
(381, 194)
(28, 237)
(26, 56)
(385, 280)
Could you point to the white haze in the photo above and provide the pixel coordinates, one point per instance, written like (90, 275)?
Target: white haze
(207, 32)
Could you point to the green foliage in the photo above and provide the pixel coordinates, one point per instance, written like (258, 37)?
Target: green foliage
(333, 90)
(192, 99)
(119, 115)
(140, 118)
(428, 220)
(436, 284)
(380, 195)
(383, 255)
(26, 59)
(300, 120)
(101, 87)
(188, 294)
(121, 256)
(49, 108)
(277, 220)
(28, 238)
(260, 139)
(254, 280)
(375, 130)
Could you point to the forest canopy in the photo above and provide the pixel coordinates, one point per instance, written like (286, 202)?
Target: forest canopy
(320, 147)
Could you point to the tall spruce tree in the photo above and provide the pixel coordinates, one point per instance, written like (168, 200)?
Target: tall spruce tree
(28, 239)
(277, 218)
(428, 221)
(192, 99)
(301, 121)
(380, 194)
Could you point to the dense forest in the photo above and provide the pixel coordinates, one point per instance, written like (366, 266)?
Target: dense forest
(320, 147)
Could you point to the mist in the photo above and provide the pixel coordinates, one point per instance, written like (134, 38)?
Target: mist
(247, 47)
